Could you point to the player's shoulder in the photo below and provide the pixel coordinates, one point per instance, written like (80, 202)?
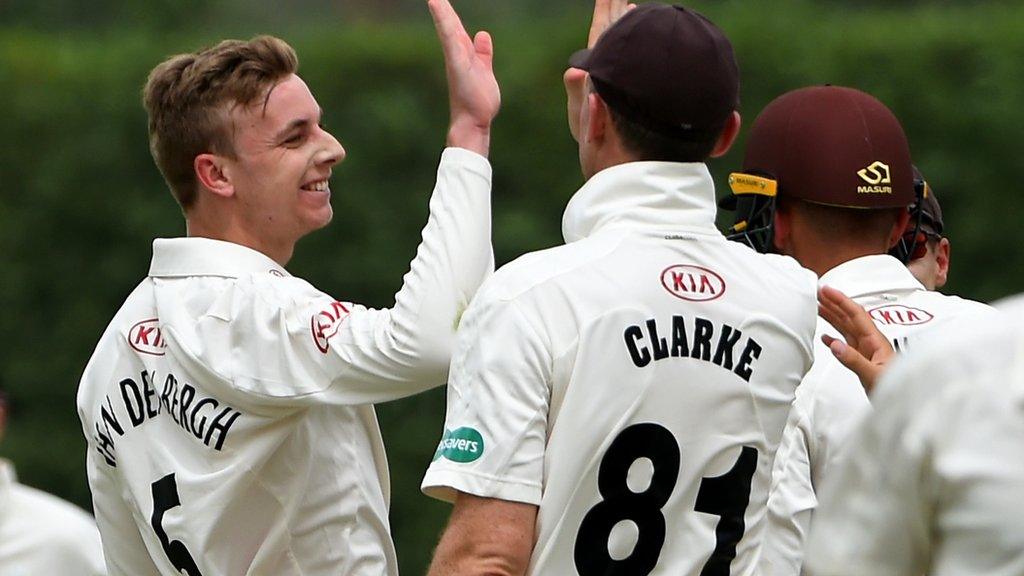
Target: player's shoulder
(544, 268)
(779, 283)
(971, 367)
(965, 349)
(954, 305)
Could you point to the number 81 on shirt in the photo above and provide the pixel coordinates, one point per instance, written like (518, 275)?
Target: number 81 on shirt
(725, 496)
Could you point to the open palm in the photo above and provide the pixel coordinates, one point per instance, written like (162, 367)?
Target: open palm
(474, 96)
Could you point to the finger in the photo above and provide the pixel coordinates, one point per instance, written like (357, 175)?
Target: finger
(862, 326)
(600, 20)
(866, 371)
(484, 46)
(844, 314)
(618, 8)
(574, 76)
(446, 21)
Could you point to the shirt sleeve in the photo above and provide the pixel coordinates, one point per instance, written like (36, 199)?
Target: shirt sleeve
(875, 513)
(791, 498)
(499, 391)
(123, 548)
(280, 341)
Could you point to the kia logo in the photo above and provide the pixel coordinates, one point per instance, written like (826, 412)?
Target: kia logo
(693, 283)
(146, 337)
(897, 314)
(325, 324)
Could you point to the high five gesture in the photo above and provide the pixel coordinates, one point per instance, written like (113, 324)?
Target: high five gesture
(473, 93)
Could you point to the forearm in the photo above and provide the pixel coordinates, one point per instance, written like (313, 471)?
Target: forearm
(486, 537)
(453, 259)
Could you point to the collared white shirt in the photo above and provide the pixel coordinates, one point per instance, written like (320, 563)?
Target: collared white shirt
(935, 475)
(228, 405)
(830, 401)
(42, 535)
(649, 351)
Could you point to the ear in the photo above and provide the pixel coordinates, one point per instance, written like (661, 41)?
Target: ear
(212, 175)
(941, 262)
(782, 227)
(728, 135)
(597, 119)
(902, 218)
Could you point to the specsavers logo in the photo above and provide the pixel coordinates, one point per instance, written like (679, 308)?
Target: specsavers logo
(460, 445)
(879, 178)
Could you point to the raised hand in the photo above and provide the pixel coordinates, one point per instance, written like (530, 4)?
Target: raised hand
(606, 13)
(866, 351)
(473, 94)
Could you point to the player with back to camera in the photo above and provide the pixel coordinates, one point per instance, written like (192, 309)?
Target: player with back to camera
(933, 478)
(229, 405)
(40, 533)
(615, 403)
(827, 179)
(929, 261)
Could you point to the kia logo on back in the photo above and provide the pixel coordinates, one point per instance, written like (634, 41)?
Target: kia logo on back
(693, 283)
(146, 337)
(898, 314)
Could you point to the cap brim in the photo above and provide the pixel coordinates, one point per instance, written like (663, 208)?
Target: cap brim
(580, 59)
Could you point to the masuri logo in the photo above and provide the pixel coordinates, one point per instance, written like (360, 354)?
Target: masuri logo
(461, 445)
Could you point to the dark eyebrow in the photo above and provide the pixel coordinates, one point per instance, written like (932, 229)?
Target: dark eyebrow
(296, 124)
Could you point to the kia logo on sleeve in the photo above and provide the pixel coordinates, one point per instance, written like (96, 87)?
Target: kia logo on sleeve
(693, 283)
(325, 324)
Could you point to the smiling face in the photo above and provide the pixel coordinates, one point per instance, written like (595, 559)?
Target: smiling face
(282, 163)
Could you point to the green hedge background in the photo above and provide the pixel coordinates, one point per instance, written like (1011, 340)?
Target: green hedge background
(80, 199)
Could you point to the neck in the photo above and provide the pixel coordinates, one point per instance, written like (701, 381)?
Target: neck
(825, 256)
(227, 229)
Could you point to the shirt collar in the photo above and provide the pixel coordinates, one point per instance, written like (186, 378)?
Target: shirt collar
(660, 195)
(871, 275)
(176, 257)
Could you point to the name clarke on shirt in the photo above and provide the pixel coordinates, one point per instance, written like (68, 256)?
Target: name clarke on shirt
(697, 343)
(205, 418)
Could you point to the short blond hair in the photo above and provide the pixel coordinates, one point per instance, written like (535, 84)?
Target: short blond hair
(189, 97)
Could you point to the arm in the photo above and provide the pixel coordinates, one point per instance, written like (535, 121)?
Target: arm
(875, 518)
(279, 342)
(123, 547)
(791, 501)
(486, 536)
(606, 13)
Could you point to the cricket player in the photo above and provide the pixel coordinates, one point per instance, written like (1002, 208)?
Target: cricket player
(614, 404)
(827, 179)
(923, 245)
(229, 405)
(933, 478)
(40, 533)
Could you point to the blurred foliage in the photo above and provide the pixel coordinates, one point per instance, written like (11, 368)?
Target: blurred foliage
(80, 199)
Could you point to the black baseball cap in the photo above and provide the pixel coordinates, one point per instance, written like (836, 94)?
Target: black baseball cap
(667, 68)
(834, 146)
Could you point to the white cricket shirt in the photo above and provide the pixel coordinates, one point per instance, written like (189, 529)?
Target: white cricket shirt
(830, 401)
(633, 383)
(228, 406)
(42, 535)
(935, 475)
